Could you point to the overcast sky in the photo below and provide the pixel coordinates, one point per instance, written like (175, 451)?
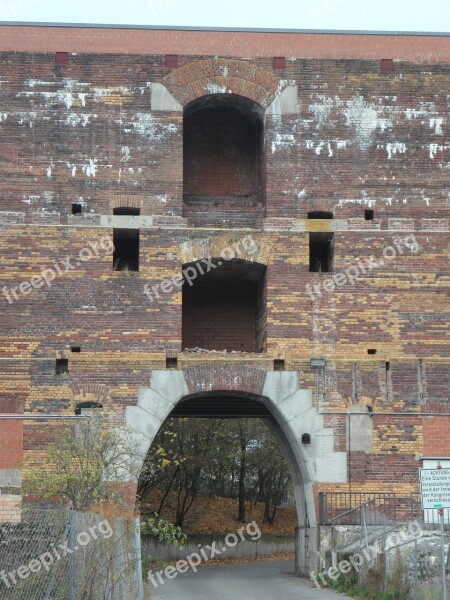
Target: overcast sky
(375, 15)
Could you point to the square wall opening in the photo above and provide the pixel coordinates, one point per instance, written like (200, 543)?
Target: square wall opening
(126, 249)
(321, 252)
(130, 211)
(225, 309)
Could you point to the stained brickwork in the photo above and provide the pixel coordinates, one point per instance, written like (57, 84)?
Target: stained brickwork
(106, 131)
(124, 40)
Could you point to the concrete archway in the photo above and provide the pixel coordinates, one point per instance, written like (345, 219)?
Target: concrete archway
(291, 408)
(293, 414)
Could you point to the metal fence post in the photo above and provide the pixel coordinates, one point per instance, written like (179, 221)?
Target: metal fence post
(137, 543)
(416, 568)
(364, 525)
(72, 563)
(444, 582)
(385, 554)
(322, 508)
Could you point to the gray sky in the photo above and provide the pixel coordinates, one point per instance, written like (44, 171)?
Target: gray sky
(378, 15)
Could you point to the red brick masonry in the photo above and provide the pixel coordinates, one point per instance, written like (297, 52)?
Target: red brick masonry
(31, 38)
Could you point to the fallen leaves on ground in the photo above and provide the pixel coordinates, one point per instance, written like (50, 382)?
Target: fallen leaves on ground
(219, 515)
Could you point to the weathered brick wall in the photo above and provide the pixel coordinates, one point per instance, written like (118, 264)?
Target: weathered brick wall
(130, 40)
(87, 134)
(386, 309)
(11, 441)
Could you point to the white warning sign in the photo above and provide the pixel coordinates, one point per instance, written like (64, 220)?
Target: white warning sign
(435, 488)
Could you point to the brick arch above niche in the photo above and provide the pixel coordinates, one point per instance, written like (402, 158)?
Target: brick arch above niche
(224, 76)
(89, 392)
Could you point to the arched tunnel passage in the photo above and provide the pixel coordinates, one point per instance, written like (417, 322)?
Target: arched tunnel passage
(237, 405)
(292, 413)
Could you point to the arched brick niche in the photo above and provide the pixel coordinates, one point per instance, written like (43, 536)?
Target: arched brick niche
(220, 75)
(224, 103)
(90, 393)
(225, 309)
(223, 161)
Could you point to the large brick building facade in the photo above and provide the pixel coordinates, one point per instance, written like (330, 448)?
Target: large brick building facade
(323, 160)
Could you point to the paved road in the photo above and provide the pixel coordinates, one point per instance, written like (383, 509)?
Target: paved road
(254, 581)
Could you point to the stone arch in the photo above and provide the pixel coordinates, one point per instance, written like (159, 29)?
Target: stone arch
(251, 247)
(291, 407)
(224, 76)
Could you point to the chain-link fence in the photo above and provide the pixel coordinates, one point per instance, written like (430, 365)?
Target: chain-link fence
(396, 560)
(416, 564)
(60, 554)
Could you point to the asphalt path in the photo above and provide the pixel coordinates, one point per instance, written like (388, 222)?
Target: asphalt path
(269, 580)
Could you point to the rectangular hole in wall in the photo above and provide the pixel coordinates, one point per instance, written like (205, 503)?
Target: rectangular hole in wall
(130, 211)
(388, 366)
(171, 61)
(371, 351)
(387, 65)
(279, 62)
(278, 364)
(61, 59)
(320, 214)
(126, 249)
(75, 348)
(321, 252)
(171, 362)
(76, 208)
(88, 408)
(368, 215)
(62, 366)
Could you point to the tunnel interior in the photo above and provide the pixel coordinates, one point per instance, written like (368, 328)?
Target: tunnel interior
(222, 405)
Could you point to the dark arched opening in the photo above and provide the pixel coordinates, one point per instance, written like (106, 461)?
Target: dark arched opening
(225, 308)
(223, 443)
(222, 405)
(223, 161)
